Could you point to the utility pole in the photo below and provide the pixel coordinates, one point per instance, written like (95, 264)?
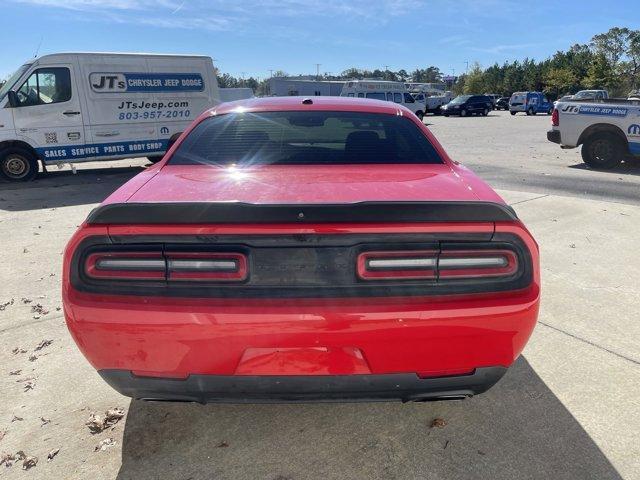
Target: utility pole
(271, 73)
(242, 74)
(318, 71)
(466, 62)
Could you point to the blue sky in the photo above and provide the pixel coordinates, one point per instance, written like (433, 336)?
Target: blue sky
(253, 36)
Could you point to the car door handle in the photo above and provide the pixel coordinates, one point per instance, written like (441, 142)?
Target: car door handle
(70, 112)
(107, 134)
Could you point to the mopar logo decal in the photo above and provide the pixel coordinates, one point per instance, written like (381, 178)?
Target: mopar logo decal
(146, 82)
(570, 109)
(634, 130)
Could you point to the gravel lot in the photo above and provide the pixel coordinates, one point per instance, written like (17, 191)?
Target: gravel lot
(568, 409)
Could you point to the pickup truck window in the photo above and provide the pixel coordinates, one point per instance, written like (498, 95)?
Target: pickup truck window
(305, 138)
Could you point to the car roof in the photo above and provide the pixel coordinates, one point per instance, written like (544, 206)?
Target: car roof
(343, 104)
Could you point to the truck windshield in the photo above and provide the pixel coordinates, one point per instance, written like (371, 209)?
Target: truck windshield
(12, 80)
(302, 138)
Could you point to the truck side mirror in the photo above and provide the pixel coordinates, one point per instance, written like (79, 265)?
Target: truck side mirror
(13, 99)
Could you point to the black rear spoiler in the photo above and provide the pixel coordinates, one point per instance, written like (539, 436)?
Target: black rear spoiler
(237, 212)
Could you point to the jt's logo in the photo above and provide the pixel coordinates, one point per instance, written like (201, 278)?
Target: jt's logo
(634, 130)
(108, 82)
(570, 109)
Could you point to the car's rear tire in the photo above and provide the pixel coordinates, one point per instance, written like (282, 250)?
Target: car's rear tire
(603, 151)
(420, 114)
(550, 111)
(530, 111)
(485, 112)
(463, 112)
(18, 164)
(512, 113)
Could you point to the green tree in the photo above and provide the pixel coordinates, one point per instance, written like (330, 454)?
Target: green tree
(601, 74)
(559, 80)
(474, 82)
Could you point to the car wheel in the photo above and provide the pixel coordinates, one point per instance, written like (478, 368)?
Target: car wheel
(485, 112)
(463, 112)
(530, 111)
(603, 151)
(18, 164)
(550, 111)
(420, 114)
(512, 113)
(155, 158)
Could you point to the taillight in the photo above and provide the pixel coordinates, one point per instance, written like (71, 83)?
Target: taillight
(476, 263)
(229, 267)
(402, 264)
(126, 266)
(167, 266)
(443, 264)
(555, 118)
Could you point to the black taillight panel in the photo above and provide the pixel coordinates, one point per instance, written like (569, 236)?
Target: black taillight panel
(264, 266)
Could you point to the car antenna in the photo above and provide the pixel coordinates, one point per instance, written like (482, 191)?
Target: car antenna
(39, 45)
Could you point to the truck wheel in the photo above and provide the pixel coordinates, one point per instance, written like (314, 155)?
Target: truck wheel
(420, 114)
(155, 159)
(485, 112)
(512, 113)
(463, 113)
(602, 150)
(18, 164)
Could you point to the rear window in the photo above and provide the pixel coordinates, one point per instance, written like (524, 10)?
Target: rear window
(305, 138)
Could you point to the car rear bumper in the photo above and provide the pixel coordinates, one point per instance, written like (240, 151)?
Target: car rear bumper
(554, 136)
(303, 388)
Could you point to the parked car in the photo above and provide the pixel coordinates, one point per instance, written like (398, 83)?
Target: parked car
(79, 107)
(608, 132)
(433, 103)
(530, 103)
(502, 103)
(464, 105)
(384, 90)
(292, 248)
(494, 98)
(595, 95)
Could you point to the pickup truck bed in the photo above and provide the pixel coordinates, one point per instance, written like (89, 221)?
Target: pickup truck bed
(609, 132)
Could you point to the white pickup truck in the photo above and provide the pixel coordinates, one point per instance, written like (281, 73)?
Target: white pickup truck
(608, 131)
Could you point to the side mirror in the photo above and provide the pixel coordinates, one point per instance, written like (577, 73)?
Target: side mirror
(13, 99)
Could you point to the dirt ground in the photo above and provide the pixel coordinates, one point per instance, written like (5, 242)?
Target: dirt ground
(568, 409)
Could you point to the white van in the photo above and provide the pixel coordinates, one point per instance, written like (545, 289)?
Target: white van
(384, 90)
(78, 107)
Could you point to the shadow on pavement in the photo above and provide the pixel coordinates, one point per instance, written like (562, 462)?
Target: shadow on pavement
(519, 429)
(628, 167)
(63, 188)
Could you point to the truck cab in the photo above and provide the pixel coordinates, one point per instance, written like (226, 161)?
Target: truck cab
(530, 103)
(384, 90)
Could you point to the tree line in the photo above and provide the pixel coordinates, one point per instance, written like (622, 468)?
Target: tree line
(610, 61)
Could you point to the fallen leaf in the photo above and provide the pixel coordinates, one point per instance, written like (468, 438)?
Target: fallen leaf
(97, 423)
(7, 459)
(2, 434)
(29, 385)
(29, 462)
(43, 344)
(18, 350)
(15, 372)
(44, 421)
(26, 300)
(52, 454)
(222, 445)
(6, 304)
(39, 309)
(16, 419)
(438, 423)
(104, 444)
(33, 358)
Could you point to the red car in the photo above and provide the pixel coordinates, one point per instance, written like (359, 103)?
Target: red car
(290, 249)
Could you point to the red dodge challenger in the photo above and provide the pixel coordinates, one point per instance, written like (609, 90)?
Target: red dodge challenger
(297, 249)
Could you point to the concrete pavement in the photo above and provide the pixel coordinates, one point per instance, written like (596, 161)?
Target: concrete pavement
(568, 409)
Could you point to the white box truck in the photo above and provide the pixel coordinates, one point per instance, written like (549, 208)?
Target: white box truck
(78, 107)
(384, 90)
